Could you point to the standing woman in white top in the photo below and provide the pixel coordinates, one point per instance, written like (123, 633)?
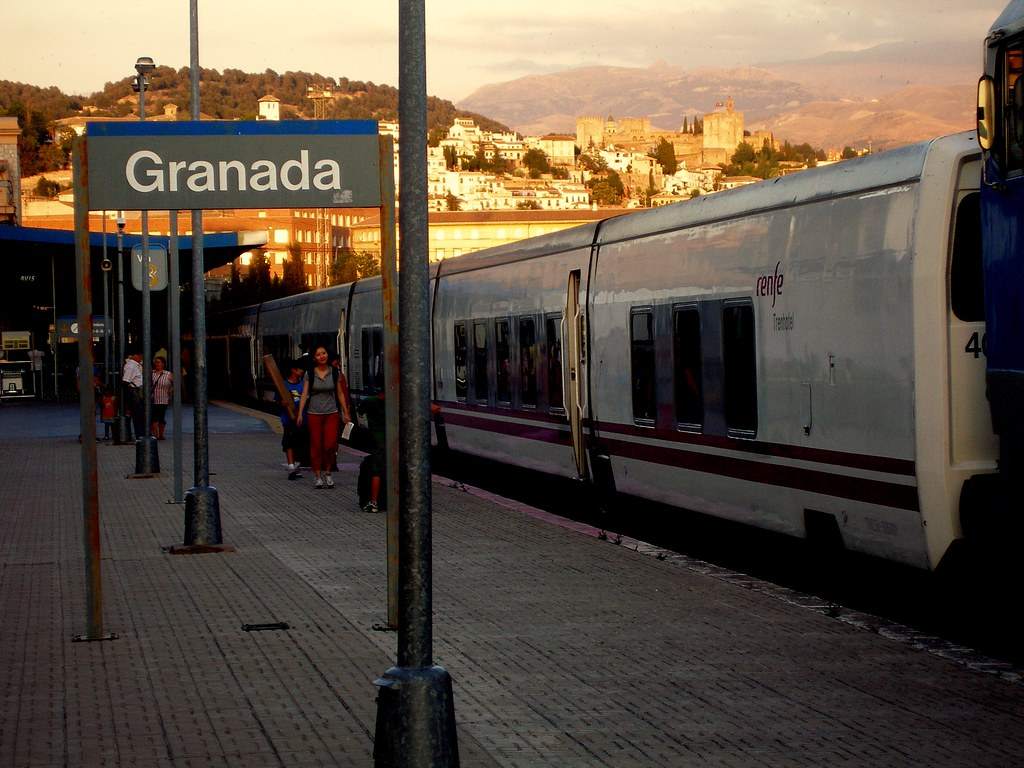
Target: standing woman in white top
(326, 392)
(163, 387)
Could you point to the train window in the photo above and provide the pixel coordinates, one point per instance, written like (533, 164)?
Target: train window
(553, 327)
(641, 341)
(1014, 106)
(461, 374)
(372, 344)
(528, 361)
(740, 364)
(480, 362)
(966, 289)
(686, 354)
(279, 347)
(503, 361)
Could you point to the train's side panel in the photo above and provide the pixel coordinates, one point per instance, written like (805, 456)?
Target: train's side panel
(509, 292)
(289, 324)
(954, 430)
(366, 338)
(829, 285)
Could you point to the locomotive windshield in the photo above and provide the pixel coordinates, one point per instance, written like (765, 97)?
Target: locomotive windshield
(1014, 105)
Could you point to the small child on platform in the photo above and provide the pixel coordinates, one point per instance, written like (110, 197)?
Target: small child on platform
(108, 411)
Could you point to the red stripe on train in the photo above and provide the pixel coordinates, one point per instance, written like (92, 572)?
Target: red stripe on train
(884, 464)
(814, 481)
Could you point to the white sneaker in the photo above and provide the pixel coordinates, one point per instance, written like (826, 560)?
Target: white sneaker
(328, 481)
(319, 483)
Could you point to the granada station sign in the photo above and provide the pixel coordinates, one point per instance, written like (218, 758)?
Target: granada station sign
(233, 164)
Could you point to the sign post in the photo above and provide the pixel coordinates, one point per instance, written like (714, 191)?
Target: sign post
(87, 402)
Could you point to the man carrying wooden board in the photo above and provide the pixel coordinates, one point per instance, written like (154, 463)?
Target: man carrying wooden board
(289, 394)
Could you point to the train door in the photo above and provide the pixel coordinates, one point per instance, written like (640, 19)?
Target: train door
(572, 333)
(971, 438)
(343, 342)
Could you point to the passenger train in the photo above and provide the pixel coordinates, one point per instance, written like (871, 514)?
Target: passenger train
(802, 354)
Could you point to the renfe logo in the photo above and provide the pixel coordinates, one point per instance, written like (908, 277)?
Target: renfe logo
(770, 285)
(145, 171)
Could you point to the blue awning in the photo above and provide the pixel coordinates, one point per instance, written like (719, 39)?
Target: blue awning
(219, 248)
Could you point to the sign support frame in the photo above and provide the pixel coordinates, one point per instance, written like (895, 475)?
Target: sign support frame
(87, 403)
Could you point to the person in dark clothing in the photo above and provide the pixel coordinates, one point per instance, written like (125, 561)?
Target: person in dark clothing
(373, 408)
(293, 435)
(131, 380)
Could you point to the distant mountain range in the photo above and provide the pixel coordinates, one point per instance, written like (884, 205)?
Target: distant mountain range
(885, 96)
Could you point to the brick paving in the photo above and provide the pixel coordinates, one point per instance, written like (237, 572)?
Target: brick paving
(565, 650)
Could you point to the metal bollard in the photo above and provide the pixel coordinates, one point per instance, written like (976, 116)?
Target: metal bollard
(415, 719)
(147, 456)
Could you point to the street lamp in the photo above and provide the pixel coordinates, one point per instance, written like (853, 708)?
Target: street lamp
(147, 461)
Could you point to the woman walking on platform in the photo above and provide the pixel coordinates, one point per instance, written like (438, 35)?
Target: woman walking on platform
(326, 392)
(163, 386)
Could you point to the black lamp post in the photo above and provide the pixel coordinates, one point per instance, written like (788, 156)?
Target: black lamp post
(147, 460)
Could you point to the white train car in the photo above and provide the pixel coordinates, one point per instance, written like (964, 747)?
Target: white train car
(801, 355)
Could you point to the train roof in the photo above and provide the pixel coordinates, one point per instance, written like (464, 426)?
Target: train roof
(1010, 21)
(521, 250)
(886, 169)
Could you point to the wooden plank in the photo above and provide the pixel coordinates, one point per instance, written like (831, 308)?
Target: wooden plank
(283, 392)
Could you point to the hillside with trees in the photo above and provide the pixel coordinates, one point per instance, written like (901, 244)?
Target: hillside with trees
(768, 162)
(228, 95)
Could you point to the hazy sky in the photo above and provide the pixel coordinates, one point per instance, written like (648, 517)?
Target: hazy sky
(79, 45)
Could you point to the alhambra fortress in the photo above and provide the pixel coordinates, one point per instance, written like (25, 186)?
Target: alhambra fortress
(480, 191)
(723, 132)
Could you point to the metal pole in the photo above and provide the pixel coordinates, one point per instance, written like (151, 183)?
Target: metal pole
(392, 365)
(415, 705)
(415, 636)
(174, 305)
(87, 401)
(146, 457)
(202, 505)
(56, 331)
(106, 309)
(120, 427)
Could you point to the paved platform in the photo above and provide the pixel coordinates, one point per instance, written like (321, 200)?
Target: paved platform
(565, 649)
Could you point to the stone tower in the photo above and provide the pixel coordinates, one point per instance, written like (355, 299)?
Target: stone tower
(589, 129)
(723, 128)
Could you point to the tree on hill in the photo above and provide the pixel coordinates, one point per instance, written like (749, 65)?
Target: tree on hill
(593, 163)
(451, 158)
(848, 153)
(47, 188)
(606, 189)
(765, 162)
(665, 154)
(536, 162)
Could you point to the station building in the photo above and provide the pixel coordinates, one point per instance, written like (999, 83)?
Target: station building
(456, 233)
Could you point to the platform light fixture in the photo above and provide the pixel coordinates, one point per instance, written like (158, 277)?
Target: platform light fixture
(143, 65)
